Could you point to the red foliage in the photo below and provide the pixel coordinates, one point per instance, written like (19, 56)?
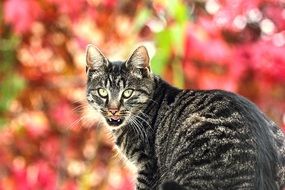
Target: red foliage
(71, 8)
(247, 59)
(36, 176)
(62, 110)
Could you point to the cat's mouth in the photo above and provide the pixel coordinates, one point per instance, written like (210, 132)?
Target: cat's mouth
(114, 120)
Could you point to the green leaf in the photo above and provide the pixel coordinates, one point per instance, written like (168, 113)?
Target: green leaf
(2, 122)
(181, 13)
(177, 32)
(178, 10)
(10, 88)
(178, 77)
(159, 61)
(141, 19)
(8, 53)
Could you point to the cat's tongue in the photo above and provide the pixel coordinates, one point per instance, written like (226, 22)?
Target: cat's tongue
(115, 117)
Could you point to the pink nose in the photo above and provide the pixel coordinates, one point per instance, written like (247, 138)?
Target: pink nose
(113, 110)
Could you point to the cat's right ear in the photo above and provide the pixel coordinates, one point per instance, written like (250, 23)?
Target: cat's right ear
(95, 60)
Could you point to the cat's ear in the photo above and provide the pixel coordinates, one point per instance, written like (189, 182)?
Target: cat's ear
(138, 62)
(95, 60)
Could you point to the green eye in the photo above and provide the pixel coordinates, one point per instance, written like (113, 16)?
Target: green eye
(102, 92)
(128, 93)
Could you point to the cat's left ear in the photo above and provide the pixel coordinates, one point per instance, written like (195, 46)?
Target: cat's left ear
(138, 62)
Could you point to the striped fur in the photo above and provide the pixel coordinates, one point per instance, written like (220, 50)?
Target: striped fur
(188, 139)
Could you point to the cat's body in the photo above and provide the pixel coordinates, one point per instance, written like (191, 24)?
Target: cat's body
(224, 134)
(192, 139)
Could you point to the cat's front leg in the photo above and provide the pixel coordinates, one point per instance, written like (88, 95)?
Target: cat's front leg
(146, 176)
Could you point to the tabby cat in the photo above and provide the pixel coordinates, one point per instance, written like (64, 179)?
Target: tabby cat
(183, 139)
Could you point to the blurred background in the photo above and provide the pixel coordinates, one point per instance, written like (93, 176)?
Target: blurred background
(48, 141)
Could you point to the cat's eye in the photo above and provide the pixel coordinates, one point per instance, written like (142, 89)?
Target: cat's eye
(102, 92)
(128, 93)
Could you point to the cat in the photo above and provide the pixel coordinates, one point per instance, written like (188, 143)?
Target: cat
(183, 139)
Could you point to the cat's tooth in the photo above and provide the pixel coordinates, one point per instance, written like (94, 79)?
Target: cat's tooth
(119, 120)
(110, 119)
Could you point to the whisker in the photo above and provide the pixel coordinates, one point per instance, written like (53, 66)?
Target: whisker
(144, 120)
(144, 114)
(134, 126)
(73, 124)
(142, 131)
(79, 108)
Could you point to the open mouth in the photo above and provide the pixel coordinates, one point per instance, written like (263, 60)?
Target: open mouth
(114, 120)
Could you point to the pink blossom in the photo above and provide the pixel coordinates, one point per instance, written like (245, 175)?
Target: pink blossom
(46, 176)
(275, 12)
(237, 7)
(110, 3)
(269, 61)
(21, 14)
(20, 178)
(50, 148)
(200, 45)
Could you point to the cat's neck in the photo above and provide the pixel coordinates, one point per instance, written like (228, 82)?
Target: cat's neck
(163, 95)
(141, 132)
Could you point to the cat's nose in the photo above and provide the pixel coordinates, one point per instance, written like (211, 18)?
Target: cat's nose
(113, 110)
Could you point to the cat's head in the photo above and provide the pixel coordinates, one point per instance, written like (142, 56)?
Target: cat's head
(118, 90)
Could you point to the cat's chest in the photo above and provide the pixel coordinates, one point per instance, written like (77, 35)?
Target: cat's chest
(129, 147)
(130, 163)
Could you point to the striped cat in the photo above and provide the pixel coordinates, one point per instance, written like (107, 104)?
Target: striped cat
(183, 139)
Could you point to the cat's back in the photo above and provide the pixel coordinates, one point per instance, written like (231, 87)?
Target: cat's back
(190, 109)
(220, 135)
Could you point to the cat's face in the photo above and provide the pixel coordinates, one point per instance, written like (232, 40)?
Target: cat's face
(118, 90)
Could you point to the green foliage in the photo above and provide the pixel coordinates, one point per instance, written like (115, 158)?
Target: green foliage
(10, 88)
(11, 83)
(163, 43)
(170, 41)
(178, 10)
(141, 19)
